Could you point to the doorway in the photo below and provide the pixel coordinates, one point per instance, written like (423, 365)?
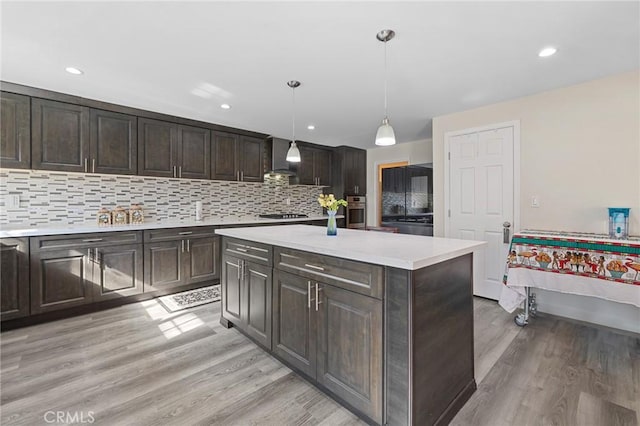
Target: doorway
(482, 196)
(381, 167)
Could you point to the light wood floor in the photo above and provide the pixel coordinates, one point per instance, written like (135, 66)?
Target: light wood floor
(138, 365)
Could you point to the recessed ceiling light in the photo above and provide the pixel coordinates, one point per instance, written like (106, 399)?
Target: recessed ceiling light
(547, 51)
(73, 70)
(225, 106)
(311, 127)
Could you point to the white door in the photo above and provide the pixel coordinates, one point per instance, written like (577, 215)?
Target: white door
(481, 199)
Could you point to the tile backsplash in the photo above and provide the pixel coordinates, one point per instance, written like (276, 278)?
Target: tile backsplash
(68, 198)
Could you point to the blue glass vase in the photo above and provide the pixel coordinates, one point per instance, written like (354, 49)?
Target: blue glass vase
(332, 226)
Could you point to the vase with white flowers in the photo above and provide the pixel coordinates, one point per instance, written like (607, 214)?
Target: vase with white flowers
(330, 203)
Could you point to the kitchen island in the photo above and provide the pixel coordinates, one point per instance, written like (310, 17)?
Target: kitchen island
(381, 322)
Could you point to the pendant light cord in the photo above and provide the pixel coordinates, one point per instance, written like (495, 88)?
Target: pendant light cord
(293, 99)
(385, 79)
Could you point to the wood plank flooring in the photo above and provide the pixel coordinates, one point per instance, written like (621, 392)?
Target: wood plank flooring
(139, 365)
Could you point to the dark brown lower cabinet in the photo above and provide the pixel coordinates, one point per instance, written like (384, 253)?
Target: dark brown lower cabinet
(14, 278)
(72, 270)
(246, 297)
(117, 271)
(334, 336)
(178, 262)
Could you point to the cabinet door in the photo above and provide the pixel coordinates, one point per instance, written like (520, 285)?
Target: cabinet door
(114, 143)
(350, 348)
(258, 281)
(157, 146)
(194, 152)
(305, 170)
(14, 278)
(60, 136)
(117, 271)
(163, 265)
(251, 158)
(360, 171)
(15, 131)
(201, 263)
(349, 174)
(294, 333)
(60, 279)
(322, 166)
(231, 289)
(224, 156)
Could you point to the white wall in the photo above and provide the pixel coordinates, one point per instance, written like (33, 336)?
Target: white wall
(580, 153)
(416, 152)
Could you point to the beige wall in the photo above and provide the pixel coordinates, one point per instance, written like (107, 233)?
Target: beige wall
(580, 153)
(416, 152)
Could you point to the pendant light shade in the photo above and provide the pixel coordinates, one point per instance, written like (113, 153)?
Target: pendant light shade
(385, 135)
(293, 155)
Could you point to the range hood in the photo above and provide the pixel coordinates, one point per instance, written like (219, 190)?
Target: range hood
(279, 164)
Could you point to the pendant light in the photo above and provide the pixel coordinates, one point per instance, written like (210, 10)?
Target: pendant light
(293, 155)
(385, 135)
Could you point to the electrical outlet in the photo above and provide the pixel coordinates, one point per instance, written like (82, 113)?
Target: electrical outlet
(535, 201)
(13, 201)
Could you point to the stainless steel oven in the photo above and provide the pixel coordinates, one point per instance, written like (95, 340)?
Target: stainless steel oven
(356, 211)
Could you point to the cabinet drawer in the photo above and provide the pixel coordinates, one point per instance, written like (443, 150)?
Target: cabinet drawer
(76, 241)
(348, 274)
(178, 233)
(249, 250)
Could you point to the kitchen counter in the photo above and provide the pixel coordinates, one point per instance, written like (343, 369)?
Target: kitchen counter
(91, 227)
(409, 252)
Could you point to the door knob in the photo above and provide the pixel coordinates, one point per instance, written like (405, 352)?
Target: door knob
(506, 232)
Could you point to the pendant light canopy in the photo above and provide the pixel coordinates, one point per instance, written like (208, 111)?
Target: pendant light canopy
(293, 155)
(385, 135)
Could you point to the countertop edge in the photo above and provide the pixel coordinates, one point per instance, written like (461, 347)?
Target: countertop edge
(87, 228)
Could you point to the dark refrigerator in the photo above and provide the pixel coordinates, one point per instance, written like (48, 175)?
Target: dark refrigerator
(407, 199)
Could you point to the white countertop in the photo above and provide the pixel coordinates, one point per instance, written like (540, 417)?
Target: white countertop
(381, 248)
(90, 227)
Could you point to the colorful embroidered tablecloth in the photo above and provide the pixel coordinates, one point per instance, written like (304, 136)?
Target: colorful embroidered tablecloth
(584, 264)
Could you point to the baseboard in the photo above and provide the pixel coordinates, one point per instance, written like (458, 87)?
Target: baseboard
(589, 309)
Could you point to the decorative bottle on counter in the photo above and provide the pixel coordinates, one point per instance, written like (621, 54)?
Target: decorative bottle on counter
(332, 226)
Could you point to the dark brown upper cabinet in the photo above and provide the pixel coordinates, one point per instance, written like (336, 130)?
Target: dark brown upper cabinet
(60, 136)
(170, 150)
(354, 169)
(314, 167)
(114, 143)
(15, 128)
(237, 157)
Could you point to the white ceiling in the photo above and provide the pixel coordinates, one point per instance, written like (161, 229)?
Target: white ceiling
(186, 59)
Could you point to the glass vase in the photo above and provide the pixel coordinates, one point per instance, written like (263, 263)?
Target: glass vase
(332, 226)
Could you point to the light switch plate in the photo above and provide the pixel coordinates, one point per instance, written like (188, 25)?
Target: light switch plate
(535, 201)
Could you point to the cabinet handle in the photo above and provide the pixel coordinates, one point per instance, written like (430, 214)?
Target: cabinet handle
(242, 176)
(188, 246)
(238, 175)
(317, 296)
(309, 294)
(179, 171)
(89, 254)
(182, 245)
(174, 171)
(319, 268)
(93, 165)
(241, 249)
(92, 240)
(185, 233)
(98, 258)
(86, 165)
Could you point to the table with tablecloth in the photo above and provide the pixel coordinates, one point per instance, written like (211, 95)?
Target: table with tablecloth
(583, 264)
